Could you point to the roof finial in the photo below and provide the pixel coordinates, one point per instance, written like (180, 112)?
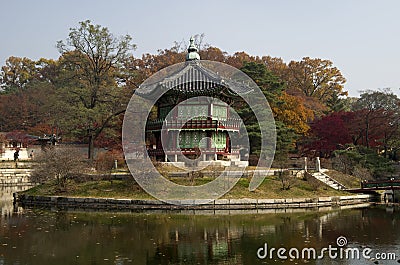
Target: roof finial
(192, 51)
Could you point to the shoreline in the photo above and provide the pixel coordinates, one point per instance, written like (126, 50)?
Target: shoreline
(218, 204)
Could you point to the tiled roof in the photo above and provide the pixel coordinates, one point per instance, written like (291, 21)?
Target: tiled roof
(194, 78)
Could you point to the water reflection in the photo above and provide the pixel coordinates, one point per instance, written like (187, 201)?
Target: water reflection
(6, 199)
(38, 236)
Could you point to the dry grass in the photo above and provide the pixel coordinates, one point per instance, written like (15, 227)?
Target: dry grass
(270, 188)
(347, 180)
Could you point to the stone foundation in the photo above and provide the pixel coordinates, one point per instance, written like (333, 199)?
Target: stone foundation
(219, 204)
(220, 163)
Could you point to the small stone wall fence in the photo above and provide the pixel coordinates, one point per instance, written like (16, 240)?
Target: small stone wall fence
(219, 204)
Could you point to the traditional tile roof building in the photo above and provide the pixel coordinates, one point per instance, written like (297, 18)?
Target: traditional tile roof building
(202, 113)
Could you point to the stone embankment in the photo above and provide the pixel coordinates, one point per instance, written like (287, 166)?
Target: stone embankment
(219, 204)
(15, 174)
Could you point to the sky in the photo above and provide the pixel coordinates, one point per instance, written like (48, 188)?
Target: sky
(361, 38)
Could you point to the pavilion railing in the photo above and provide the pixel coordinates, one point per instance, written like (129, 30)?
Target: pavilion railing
(233, 124)
(188, 151)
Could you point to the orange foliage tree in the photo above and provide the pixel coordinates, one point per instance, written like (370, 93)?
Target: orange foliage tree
(292, 112)
(317, 80)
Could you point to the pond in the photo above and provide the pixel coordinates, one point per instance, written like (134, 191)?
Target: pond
(50, 236)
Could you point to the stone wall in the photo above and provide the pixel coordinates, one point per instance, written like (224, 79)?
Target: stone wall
(10, 175)
(219, 204)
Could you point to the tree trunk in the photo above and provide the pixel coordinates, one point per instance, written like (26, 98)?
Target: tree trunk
(367, 133)
(90, 147)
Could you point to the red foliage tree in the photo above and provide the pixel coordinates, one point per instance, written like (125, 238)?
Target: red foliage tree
(330, 133)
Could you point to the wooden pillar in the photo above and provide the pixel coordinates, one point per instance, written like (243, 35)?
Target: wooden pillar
(227, 145)
(317, 164)
(305, 164)
(174, 140)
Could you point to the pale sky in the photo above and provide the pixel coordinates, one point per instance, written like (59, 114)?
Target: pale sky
(361, 38)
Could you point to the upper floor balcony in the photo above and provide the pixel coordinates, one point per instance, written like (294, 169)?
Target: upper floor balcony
(201, 124)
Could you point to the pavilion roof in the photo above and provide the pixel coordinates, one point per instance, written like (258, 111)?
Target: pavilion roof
(194, 78)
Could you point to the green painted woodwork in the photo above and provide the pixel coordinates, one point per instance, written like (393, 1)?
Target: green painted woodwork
(187, 111)
(219, 113)
(219, 140)
(191, 139)
(196, 110)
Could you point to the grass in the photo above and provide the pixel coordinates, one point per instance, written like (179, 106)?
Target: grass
(347, 180)
(96, 188)
(269, 189)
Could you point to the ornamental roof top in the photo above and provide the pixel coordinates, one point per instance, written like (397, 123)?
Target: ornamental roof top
(192, 51)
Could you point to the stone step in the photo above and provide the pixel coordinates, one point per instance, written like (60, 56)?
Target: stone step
(16, 170)
(328, 181)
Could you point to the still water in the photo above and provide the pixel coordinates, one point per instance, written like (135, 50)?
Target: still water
(40, 236)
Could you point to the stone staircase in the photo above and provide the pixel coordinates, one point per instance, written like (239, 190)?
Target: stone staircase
(14, 176)
(328, 181)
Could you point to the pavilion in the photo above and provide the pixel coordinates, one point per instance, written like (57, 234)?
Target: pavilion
(194, 114)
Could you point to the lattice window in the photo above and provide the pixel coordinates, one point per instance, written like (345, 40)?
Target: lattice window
(219, 112)
(219, 140)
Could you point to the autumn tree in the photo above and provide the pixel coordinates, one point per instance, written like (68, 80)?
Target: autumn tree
(380, 119)
(213, 54)
(239, 59)
(140, 69)
(92, 55)
(291, 116)
(315, 79)
(374, 122)
(21, 110)
(277, 66)
(291, 111)
(16, 74)
(330, 133)
(27, 85)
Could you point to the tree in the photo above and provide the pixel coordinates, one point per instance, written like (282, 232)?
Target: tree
(239, 59)
(381, 116)
(285, 143)
(28, 85)
(92, 55)
(277, 66)
(291, 111)
(315, 78)
(330, 133)
(355, 158)
(337, 103)
(271, 86)
(212, 54)
(16, 74)
(57, 164)
(25, 109)
(2, 142)
(140, 69)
